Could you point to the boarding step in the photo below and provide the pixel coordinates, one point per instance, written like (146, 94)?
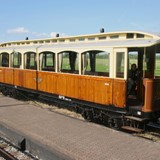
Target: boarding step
(135, 118)
(129, 128)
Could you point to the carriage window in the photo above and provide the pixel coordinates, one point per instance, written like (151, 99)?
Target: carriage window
(48, 61)
(68, 62)
(31, 61)
(140, 35)
(120, 65)
(16, 60)
(157, 66)
(5, 60)
(147, 64)
(130, 35)
(133, 58)
(114, 37)
(95, 63)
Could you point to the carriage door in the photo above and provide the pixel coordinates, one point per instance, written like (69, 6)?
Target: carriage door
(120, 77)
(135, 56)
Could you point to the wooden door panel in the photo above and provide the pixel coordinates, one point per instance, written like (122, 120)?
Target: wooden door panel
(98, 90)
(152, 95)
(47, 82)
(1, 75)
(29, 79)
(119, 93)
(8, 75)
(18, 77)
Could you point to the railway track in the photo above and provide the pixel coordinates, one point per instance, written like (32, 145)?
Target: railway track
(152, 135)
(10, 152)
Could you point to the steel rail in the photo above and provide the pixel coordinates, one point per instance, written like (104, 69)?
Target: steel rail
(6, 155)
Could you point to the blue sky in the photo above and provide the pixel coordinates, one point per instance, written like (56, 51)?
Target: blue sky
(44, 18)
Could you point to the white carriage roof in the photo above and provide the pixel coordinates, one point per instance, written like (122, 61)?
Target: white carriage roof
(109, 39)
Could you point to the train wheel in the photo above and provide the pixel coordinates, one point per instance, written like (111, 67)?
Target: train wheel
(87, 115)
(14, 93)
(5, 91)
(114, 123)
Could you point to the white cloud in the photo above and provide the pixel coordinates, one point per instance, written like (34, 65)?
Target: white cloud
(23, 30)
(18, 30)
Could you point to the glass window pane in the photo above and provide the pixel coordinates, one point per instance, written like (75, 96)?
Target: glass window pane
(16, 60)
(49, 60)
(68, 62)
(31, 60)
(157, 65)
(95, 63)
(147, 64)
(133, 58)
(5, 60)
(102, 62)
(120, 65)
(65, 61)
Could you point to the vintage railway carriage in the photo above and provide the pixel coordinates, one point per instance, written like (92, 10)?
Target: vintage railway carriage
(90, 71)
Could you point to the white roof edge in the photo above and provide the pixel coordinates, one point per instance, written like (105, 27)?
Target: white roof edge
(86, 35)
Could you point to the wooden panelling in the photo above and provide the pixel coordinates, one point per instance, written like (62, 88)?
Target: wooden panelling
(25, 78)
(7, 75)
(18, 77)
(1, 75)
(152, 95)
(156, 95)
(47, 82)
(30, 79)
(119, 93)
(100, 90)
(68, 85)
(96, 89)
(88, 88)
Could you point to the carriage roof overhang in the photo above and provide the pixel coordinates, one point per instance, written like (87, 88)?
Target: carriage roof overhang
(18, 48)
(108, 44)
(87, 45)
(151, 40)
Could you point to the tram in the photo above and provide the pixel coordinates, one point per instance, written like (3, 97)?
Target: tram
(91, 72)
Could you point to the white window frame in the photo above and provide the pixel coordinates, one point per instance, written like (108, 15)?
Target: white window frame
(125, 51)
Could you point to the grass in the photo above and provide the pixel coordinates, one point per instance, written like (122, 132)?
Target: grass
(102, 64)
(157, 65)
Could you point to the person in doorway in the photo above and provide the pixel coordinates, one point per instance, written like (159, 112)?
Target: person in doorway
(132, 79)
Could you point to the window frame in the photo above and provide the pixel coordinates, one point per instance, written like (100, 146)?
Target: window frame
(85, 63)
(156, 76)
(1, 58)
(19, 59)
(62, 69)
(117, 51)
(28, 57)
(43, 61)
